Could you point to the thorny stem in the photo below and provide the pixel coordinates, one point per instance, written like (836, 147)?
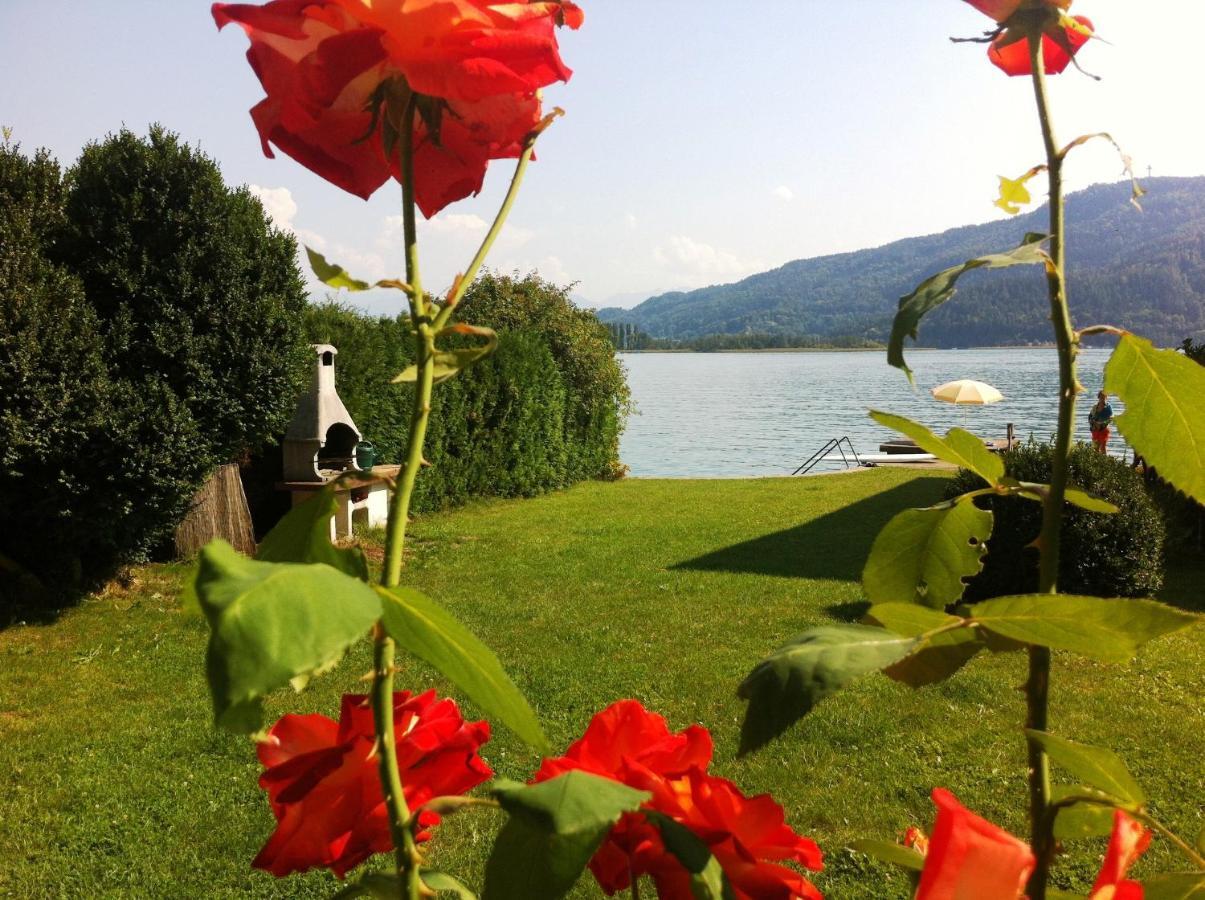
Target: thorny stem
(1038, 684)
(424, 343)
(405, 850)
(425, 329)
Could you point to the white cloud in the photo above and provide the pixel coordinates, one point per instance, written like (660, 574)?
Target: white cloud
(365, 266)
(699, 263)
(550, 268)
(454, 223)
(453, 229)
(278, 203)
(280, 206)
(782, 192)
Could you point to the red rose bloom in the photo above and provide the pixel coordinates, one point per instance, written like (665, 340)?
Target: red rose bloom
(969, 858)
(321, 62)
(468, 49)
(1128, 842)
(323, 783)
(1061, 39)
(1013, 59)
(747, 835)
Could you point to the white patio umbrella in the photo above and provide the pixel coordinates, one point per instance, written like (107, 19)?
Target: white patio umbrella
(966, 392)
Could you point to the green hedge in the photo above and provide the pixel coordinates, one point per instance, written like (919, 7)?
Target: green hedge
(150, 329)
(598, 397)
(1118, 555)
(543, 412)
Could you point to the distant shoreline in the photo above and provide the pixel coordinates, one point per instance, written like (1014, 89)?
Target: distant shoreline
(768, 350)
(846, 349)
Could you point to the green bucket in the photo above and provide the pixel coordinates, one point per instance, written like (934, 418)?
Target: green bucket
(366, 455)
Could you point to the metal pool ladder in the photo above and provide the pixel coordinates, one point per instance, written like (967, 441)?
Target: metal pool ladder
(819, 455)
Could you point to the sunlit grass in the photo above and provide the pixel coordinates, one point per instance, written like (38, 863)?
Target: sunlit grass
(114, 783)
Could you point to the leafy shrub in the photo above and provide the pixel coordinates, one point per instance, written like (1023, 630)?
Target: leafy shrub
(192, 285)
(500, 428)
(53, 384)
(150, 329)
(598, 395)
(1119, 555)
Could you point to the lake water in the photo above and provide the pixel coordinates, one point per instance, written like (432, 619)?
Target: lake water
(747, 414)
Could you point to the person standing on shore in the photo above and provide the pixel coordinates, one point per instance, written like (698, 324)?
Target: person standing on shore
(1099, 418)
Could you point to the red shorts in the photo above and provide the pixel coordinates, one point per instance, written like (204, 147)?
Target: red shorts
(1101, 436)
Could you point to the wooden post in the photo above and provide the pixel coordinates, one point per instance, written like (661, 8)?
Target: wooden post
(1012, 435)
(219, 510)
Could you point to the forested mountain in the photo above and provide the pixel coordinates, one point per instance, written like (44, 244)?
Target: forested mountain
(1144, 271)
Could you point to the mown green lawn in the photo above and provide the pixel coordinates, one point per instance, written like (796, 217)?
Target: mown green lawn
(113, 782)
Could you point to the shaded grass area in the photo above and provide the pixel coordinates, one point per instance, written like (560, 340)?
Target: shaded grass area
(113, 782)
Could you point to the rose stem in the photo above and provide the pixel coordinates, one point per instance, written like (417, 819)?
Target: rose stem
(405, 850)
(1038, 685)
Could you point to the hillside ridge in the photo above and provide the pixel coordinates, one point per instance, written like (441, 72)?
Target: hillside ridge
(1143, 271)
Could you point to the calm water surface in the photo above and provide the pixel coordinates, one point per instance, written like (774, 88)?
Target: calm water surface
(744, 414)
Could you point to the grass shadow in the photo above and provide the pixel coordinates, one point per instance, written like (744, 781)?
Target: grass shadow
(848, 612)
(834, 545)
(1183, 581)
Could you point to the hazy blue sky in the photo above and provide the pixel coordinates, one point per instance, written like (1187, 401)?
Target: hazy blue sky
(703, 141)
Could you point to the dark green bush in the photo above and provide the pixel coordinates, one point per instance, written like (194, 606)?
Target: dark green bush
(1118, 555)
(150, 329)
(192, 285)
(54, 389)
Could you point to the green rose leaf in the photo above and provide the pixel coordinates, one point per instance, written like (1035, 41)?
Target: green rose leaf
(939, 655)
(443, 883)
(909, 619)
(1076, 496)
(304, 536)
(785, 686)
(333, 275)
(273, 624)
(1079, 497)
(922, 555)
(1180, 886)
(1165, 411)
(895, 854)
(707, 878)
(1095, 766)
(959, 446)
(937, 289)
(449, 362)
(1108, 630)
(553, 830)
(430, 632)
(1082, 820)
